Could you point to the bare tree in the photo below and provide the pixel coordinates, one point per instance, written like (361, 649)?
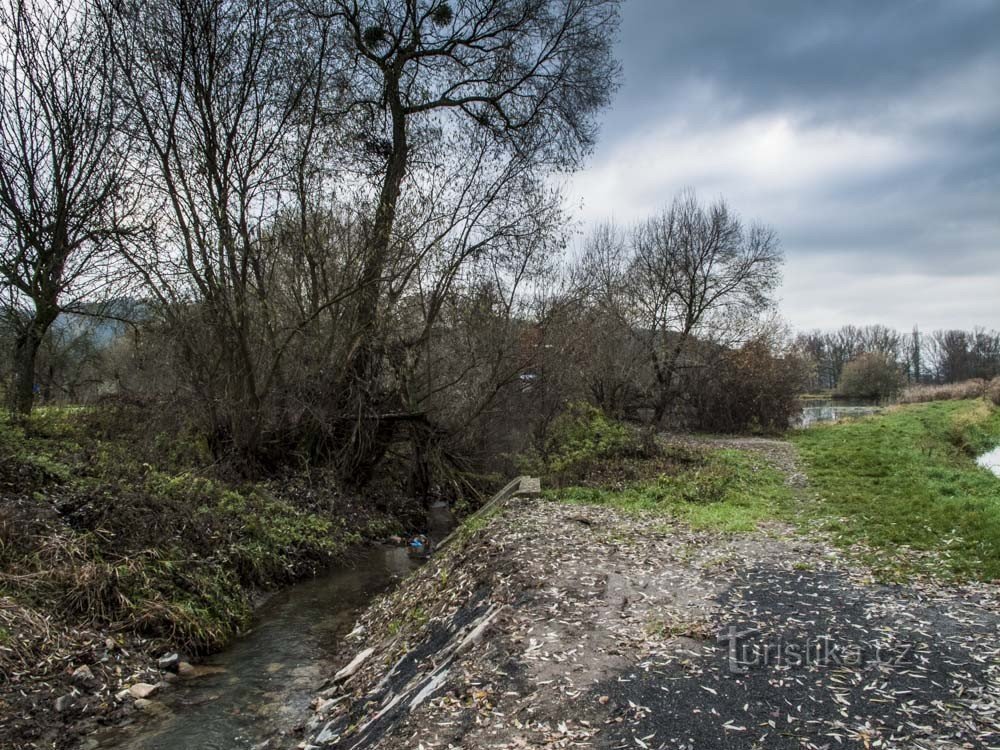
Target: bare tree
(698, 276)
(226, 97)
(610, 359)
(64, 206)
(514, 83)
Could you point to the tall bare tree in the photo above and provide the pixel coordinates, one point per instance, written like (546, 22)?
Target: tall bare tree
(343, 184)
(226, 96)
(519, 82)
(691, 278)
(64, 203)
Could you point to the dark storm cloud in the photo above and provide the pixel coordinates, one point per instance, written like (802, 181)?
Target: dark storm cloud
(832, 59)
(868, 133)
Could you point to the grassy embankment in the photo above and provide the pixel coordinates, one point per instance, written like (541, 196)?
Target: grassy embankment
(901, 488)
(905, 487)
(592, 460)
(105, 525)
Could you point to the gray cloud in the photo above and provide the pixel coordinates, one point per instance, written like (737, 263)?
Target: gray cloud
(867, 133)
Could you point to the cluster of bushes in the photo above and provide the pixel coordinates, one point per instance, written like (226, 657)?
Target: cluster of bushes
(753, 388)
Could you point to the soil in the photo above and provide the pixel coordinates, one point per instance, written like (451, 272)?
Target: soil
(569, 626)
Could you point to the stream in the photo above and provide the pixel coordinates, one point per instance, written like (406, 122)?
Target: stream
(991, 460)
(261, 686)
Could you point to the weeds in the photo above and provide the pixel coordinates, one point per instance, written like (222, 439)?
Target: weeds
(105, 537)
(966, 389)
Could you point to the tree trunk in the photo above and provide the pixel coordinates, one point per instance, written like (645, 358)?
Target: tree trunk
(362, 371)
(384, 219)
(26, 347)
(419, 482)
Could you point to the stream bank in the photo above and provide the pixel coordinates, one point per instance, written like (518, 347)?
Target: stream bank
(255, 692)
(118, 545)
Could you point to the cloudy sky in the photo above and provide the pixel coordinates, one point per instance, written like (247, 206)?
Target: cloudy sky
(867, 133)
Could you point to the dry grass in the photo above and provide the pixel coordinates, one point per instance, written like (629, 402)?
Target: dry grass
(975, 388)
(993, 391)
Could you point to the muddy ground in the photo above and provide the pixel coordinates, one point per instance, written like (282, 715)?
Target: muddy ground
(583, 627)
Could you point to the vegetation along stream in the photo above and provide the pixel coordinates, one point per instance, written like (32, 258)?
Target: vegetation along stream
(261, 686)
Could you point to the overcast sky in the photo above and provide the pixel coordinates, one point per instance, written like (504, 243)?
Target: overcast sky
(866, 132)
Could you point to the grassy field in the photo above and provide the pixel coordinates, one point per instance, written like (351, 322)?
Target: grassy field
(905, 485)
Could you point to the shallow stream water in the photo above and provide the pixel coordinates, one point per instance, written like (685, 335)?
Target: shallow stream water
(991, 460)
(267, 678)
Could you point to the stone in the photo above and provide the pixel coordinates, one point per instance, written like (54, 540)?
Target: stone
(65, 703)
(169, 662)
(354, 666)
(142, 690)
(185, 669)
(529, 487)
(149, 706)
(83, 676)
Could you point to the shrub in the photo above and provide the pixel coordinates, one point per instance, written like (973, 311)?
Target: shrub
(870, 376)
(582, 437)
(751, 389)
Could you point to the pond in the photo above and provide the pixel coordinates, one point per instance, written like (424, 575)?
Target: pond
(991, 460)
(819, 411)
(262, 685)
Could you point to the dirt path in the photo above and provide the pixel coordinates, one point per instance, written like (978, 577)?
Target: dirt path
(567, 626)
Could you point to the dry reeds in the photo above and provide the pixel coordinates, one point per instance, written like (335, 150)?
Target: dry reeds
(993, 391)
(975, 388)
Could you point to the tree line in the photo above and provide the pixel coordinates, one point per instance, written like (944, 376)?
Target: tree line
(329, 233)
(327, 229)
(330, 209)
(942, 356)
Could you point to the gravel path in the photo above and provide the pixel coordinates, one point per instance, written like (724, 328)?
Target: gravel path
(566, 626)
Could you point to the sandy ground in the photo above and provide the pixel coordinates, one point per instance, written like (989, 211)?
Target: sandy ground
(582, 627)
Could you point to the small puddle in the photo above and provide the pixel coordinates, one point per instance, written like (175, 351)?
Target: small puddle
(991, 460)
(261, 686)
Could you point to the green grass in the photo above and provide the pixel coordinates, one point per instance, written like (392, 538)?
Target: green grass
(731, 491)
(905, 485)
